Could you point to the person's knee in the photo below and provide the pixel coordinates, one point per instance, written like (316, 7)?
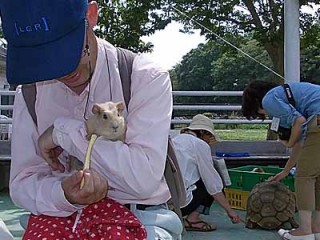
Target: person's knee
(154, 232)
(4, 231)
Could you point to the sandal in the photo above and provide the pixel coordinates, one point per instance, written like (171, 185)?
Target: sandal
(206, 227)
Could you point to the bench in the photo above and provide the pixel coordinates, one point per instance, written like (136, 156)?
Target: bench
(269, 152)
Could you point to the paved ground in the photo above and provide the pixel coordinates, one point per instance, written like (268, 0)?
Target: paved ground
(225, 229)
(228, 231)
(10, 215)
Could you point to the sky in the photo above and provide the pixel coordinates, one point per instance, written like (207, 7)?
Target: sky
(170, 45)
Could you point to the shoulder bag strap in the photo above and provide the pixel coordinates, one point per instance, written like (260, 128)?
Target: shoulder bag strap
(289, 94)
(172, 172)
(29, 92)
(125, 61)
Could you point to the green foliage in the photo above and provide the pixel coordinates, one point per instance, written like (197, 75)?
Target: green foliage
(310, 55)
(264, 20)
(194, 71)
(123, 23)
(233, 71)
(211, 67)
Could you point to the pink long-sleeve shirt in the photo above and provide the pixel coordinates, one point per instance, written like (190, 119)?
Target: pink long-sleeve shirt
(134, 169)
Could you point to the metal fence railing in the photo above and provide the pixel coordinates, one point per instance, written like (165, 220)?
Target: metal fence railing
(190, 107)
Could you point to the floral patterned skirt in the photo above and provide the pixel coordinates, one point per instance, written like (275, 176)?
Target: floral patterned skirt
(103, 220)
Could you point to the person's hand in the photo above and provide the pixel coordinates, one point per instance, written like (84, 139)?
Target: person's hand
(94, 189)
(234, 217)
(278, 177)
(50, 151)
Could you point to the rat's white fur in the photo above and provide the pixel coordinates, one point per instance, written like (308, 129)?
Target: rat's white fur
(107, 122)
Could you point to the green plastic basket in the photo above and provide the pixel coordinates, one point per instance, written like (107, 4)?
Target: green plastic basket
(245, 178)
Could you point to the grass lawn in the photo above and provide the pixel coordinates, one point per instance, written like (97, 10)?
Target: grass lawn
(242, 134)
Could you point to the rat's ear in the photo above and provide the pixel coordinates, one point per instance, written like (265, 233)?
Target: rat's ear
(120, 106)
(96, 109)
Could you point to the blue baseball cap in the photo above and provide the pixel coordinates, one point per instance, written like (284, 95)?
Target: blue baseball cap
(45, 38)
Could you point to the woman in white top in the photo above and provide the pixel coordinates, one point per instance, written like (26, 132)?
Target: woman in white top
(202, 181)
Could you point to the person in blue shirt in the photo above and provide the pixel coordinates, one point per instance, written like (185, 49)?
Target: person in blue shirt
(261, 99)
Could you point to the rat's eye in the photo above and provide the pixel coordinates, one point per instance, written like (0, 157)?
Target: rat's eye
(105, 116)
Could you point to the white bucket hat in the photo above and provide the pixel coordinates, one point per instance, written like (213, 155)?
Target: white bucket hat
(201, 122)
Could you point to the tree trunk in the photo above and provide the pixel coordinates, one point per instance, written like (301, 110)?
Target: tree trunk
(276, 53)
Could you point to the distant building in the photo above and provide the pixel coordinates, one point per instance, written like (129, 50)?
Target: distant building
(4, 85)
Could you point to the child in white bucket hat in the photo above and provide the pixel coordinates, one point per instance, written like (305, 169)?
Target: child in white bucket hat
(202, 182)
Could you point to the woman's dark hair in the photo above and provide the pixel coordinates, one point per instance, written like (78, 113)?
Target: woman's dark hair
(197, 132)
(252, 98)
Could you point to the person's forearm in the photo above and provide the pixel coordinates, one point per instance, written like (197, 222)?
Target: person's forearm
(40, 193)
(293, 157)
(221, 199)
(296, 131)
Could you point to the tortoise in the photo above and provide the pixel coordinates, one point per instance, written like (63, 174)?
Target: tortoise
(271, 205)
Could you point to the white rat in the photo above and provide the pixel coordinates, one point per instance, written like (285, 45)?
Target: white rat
(107, 122)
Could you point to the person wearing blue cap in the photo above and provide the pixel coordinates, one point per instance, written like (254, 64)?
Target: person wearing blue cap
(52, 44)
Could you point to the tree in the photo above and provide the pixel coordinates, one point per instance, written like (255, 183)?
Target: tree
(264, 20)
(211, 67)
(233, 71)
(310, 55)
(193, 73)
(123, 23)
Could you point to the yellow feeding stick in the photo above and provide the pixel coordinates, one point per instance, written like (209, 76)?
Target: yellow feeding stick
(88, 156)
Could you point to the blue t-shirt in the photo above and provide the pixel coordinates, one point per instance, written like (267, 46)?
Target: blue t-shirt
(307, 101)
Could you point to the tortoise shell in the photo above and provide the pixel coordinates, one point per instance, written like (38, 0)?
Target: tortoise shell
(271, 205)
